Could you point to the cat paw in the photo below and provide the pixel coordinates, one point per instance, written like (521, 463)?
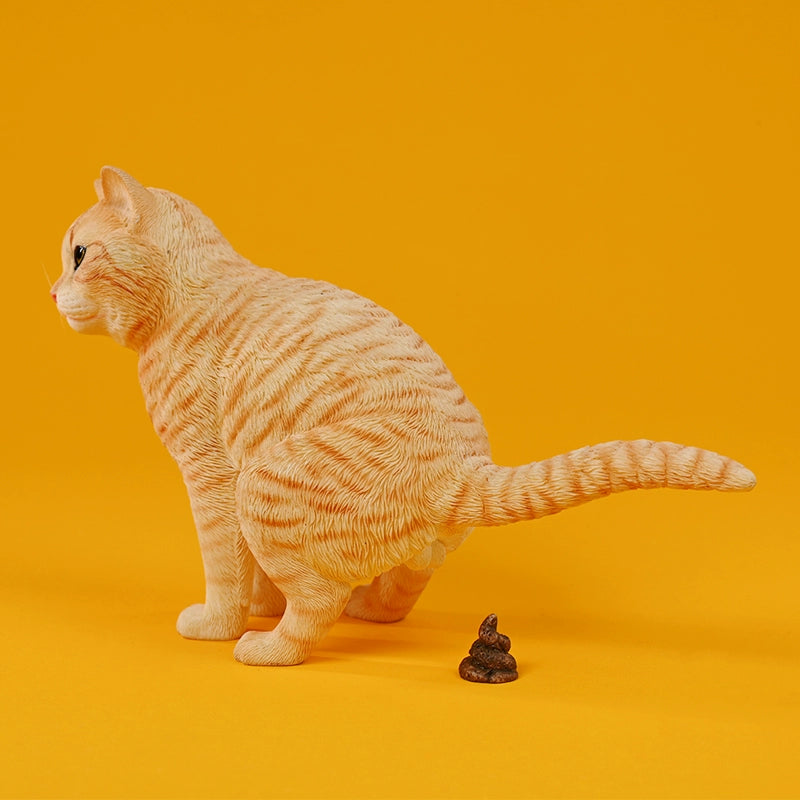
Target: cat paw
(267, 648)
(362, 605)
(195, 622)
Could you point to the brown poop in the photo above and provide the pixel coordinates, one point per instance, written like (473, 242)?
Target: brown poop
(489, 660)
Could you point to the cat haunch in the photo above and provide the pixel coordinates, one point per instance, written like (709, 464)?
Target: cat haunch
(322, 442)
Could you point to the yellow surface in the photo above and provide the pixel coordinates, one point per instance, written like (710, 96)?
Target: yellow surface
(590, 210)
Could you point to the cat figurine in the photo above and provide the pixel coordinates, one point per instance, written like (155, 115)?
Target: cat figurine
(322, 442)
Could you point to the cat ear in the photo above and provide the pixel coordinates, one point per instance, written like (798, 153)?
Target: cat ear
(124, 194)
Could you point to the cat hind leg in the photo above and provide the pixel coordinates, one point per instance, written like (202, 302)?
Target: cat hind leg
(313, 604)
(390, 596)
(268, 601)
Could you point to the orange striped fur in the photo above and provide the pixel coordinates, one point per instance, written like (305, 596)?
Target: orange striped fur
(322, 442)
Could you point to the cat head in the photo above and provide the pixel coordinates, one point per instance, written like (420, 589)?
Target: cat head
(128, 259)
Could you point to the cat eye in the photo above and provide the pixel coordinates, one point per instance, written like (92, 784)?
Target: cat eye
(80, 252)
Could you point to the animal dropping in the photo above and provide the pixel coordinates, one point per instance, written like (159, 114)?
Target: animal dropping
(489, 660)
(322, 442)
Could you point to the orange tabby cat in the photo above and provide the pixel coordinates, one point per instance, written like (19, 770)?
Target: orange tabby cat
(322, 442)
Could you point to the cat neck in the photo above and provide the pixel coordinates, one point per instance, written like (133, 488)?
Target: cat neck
(194, 314)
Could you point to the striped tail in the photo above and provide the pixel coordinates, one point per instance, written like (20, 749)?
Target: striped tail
(500, 495)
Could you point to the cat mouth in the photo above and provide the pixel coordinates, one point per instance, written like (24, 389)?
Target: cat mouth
(80, 318)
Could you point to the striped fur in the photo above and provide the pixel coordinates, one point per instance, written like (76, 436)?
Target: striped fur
(322, 442)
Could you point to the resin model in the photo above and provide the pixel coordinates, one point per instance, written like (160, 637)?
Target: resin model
(489, 660)
(322, 442)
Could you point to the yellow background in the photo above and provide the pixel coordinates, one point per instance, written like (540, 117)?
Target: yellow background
(590, 210)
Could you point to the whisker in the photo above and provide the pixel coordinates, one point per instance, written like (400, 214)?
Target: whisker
(50, 282)
(62, 322)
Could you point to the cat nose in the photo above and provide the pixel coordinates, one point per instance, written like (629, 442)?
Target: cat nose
(54, 296)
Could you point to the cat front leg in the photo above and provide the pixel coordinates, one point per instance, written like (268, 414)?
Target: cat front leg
(227, 562)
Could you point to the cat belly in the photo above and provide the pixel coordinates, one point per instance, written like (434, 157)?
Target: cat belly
(358, 555)
(433, 556)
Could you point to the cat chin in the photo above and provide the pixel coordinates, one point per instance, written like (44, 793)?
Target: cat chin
(87, 324)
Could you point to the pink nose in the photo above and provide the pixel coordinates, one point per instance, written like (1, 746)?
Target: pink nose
(54, 296)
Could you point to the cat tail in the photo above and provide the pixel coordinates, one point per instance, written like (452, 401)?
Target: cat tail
(494, 495)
